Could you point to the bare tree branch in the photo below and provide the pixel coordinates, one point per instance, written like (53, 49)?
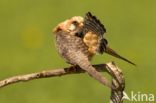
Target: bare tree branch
(47, 73)
(111, 68)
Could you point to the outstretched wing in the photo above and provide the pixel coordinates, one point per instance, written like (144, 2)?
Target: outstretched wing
(92, 24)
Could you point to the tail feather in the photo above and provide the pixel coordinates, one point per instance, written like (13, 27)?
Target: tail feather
(82, 61)
(95, 74)
(113, 53)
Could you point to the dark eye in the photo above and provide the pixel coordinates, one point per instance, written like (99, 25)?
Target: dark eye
(75, 23)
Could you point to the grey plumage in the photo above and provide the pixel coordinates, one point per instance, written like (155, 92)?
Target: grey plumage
(75, 52)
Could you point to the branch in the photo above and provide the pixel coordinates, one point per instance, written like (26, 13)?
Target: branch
(118, 81)
(47, 73)
(111, 68)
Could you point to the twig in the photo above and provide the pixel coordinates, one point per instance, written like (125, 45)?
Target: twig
(111, 68)
(47, 73)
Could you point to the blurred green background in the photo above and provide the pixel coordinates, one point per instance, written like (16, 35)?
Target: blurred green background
(27, 45)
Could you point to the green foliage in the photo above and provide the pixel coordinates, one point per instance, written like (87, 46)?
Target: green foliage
(27, 45)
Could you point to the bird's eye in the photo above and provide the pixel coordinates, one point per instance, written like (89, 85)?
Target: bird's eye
(75, 23)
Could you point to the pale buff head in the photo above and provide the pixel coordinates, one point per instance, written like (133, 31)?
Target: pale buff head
(71, 25)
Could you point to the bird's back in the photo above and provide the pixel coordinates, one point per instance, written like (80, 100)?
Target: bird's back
(68, 44)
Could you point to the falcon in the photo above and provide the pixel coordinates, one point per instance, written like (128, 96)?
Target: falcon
(78, 39)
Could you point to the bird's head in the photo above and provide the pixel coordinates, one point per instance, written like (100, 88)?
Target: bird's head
(71, 25)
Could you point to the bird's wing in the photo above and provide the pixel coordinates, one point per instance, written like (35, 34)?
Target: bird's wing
(91, 23)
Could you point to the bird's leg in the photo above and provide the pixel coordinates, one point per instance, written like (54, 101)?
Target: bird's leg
(74, 69)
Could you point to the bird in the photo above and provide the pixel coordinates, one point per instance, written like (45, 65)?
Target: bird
(78, 39)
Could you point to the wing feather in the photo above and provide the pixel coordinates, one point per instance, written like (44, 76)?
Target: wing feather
(91, 23)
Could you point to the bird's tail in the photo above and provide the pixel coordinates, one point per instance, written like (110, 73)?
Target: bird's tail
(95, 74)
(113, 53)
(78, 58)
